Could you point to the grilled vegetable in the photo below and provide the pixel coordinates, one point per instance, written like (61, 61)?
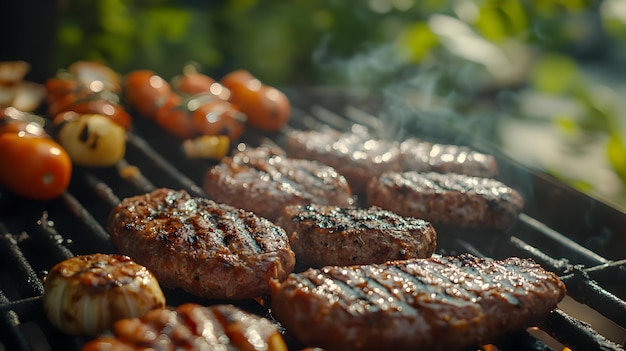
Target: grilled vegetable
(145, 91)
(33, 165)
(17, 92)
(87, 294)
(266, 107)
(175, 118)
(193, 327)
(207, 146)
(92, 140)
(96, 76)
(219, 117)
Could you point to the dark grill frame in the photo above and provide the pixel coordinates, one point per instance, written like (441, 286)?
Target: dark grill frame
(564, 230)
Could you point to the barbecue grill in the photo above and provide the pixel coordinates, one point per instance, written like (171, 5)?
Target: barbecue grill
(574, 235)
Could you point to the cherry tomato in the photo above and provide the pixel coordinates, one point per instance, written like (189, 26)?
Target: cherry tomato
(107, 108)
(64, 103)
(175, 118)
(145, 91)
(240, 77)
(266, 107)
(59, 86)
(219, 117)
(34, 167)
(192, 83)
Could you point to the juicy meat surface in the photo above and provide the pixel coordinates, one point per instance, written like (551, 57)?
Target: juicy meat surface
(192, 327)
(423, 156)
(329, 235)
(264, 182)
(453, 199)
(355, 155)
(439, 303)
(207, 249)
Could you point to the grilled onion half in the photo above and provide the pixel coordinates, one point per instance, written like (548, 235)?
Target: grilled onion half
(85, 295)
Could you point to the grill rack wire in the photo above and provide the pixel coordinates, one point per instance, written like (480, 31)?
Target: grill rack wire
(36, 235)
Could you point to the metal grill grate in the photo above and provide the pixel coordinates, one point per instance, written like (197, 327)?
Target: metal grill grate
(565, 231)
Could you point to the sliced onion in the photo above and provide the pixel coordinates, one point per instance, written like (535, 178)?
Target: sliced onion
(85, 295)
(93, 140)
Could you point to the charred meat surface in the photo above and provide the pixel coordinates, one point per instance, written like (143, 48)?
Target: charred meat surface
(356, 155)
(439, 303)
(423, 156)
(329, 235)
(264, 182)
(451, 198)
(192, 327)
(208, 249)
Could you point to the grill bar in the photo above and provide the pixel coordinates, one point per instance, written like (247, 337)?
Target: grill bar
(576, 334)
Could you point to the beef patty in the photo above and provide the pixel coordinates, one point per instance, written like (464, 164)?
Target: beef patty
(453, 199)
(356, 155)
(330, 235)
(264, 182)
(423, 156)
(439, 303)
(208, 249)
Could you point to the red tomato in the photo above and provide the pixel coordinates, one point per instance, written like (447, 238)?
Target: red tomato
(58, 87)
(63, 103)
(219, 117)
(34, 167)
(145, 91)
(193, 83)
(176, 118)
(266, 107)
(239, 77)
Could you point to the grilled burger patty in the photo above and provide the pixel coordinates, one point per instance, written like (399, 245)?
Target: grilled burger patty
(423, 156)
(357, 156)
(454, 199)
(264, 182)
(330, 235)
(208, 249)
(192, 327)
(439, 303)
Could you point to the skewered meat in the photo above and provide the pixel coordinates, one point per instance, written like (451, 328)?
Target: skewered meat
(264, 182)
(439, 303)
(453, 199)
(330, 235)
(355, 155)
(208, 249)
(86, 294)
(192, 327)
(423, 156)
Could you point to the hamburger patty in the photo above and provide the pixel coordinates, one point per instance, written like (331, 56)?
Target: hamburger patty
(439, 303)
(423, 156)
(192, 327)
(329, 235)
(264, 182)
(453, 199)
(355, 155)
(208, 249)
